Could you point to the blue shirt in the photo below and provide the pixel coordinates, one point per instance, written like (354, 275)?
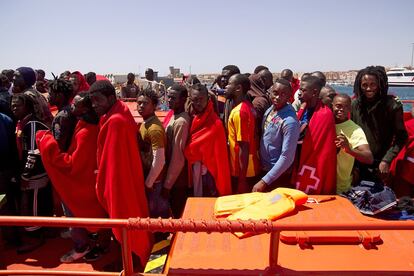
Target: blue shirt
(279, 141)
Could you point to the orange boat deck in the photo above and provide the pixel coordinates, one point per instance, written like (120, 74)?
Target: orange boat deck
(225, 254)
(387, 252)
(47, 257)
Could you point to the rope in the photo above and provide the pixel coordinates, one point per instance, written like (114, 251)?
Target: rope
(200, 225)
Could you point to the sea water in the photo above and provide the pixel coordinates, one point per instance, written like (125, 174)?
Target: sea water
(403, 93)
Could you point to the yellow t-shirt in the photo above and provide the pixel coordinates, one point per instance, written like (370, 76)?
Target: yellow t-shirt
(241, 127)
(151, 137)
(345, 161)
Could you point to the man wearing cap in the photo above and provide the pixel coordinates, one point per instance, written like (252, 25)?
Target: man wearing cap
(23, 80)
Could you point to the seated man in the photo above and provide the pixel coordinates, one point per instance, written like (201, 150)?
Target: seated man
(316, 172)
(280, 136)
(206, 151)
(351, 142)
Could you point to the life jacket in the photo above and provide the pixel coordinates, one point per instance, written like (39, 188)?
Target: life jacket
(258, 206)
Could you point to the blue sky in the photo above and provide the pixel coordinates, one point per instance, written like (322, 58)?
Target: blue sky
(129, 36)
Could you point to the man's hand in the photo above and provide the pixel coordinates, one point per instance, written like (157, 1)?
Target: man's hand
(342, 142)
(259, 186)
(384, 167)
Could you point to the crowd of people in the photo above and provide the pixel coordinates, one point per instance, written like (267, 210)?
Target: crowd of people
(92, 160)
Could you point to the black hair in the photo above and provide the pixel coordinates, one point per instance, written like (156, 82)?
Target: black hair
(151, 94)
(64, 74)
(181, 89)
(130, 75)
(232, 68)
(59, 85)
(266, 74)
(193, 80)
(90, 116)
(304, 76)
(90, 77)
(3, 80)
(243, 80)
(9, 74)
(104, 87)
(149, 70)
(344, 96)
(379, 73)
(259, 68)
(287, 73)
(41, 72)
(321, 76)
(199, 87)
(28, 100)
(284, 82)
(314, 82)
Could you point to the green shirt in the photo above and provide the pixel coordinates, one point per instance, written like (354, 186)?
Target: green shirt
(345, 162)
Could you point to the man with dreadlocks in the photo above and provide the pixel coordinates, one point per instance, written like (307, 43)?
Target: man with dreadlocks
(63, 125)
(381, 117)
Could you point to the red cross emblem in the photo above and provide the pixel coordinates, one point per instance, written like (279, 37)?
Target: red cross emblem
(307, 180)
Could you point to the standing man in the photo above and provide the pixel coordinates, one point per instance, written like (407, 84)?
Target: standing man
(35, 188)
(279, 140)
(73, 175)
(120, 181)
(226, 73)
(9, 73)
(351, 142)
(23, 80)
(130, 89)
(257, 94)
(63, 125)
(287, 74)
(177, 126)
(151, 83)
(316, 172)
(152, 143)
(206, 151)
(327, 95)
(5, 97)
(41, 82)
(244, 162)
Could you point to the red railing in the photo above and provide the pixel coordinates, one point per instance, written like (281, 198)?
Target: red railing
(188, 225)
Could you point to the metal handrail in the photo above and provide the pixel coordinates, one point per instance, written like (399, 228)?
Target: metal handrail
(191, 225)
